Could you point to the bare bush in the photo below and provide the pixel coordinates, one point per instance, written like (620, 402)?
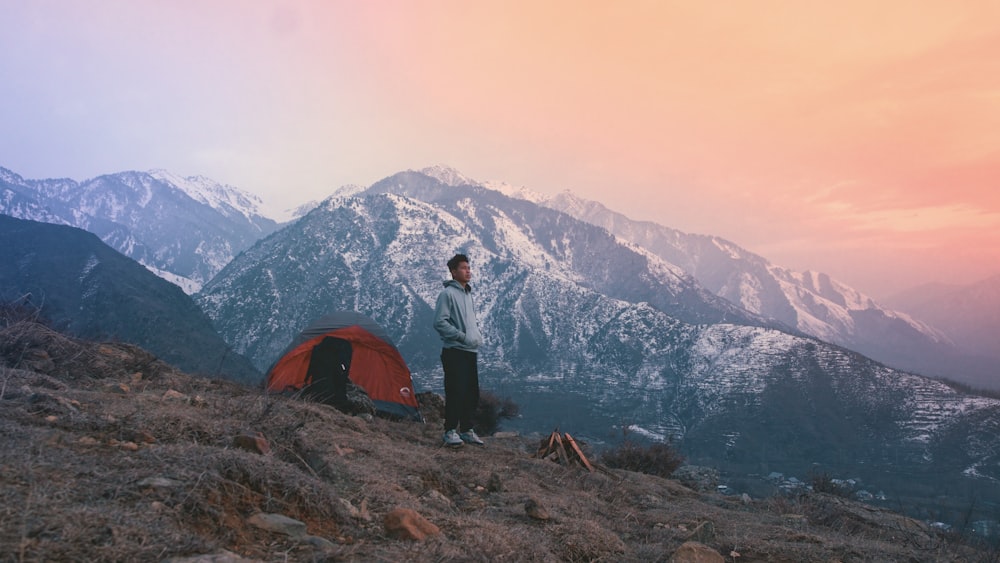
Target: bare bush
(656, 459)
(492, 409)
(821, 482)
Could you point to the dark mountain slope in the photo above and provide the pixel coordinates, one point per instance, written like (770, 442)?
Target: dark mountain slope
(91, 290)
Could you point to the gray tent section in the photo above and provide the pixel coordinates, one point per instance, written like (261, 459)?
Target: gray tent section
(335, 320)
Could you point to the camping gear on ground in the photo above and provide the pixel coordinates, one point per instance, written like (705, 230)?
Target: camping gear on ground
(340, 347)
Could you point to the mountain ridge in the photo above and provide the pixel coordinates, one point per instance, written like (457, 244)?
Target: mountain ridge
(811, 302)
(189, 227)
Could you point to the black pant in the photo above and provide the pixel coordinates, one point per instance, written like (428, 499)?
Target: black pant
(461, 388)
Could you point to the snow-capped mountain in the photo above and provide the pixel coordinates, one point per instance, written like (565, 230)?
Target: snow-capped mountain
(514, 242)
(812, 302)
(184, 228)
(588, 332)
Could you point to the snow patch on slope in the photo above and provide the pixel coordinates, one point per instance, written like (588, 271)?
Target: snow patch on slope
(220, 197)
(188, 285)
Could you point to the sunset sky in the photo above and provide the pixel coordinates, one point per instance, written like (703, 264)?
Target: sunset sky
(856, 138)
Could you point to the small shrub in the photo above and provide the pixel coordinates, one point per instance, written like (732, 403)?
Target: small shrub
(822, 483)
(656, 459)
(492, 409)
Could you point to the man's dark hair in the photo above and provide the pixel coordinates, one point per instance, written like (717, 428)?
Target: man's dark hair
(455, 261)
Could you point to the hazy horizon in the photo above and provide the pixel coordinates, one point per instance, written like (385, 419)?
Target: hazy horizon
(853, 139)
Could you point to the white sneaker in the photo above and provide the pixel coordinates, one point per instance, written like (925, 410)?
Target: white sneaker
(469, 436)
(451, 438)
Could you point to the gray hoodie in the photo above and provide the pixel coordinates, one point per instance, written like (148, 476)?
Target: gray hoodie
(455, 317)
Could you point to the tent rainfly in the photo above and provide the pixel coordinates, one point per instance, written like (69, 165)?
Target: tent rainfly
(346, 345)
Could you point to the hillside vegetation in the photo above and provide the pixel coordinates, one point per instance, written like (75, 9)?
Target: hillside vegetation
(109, 454)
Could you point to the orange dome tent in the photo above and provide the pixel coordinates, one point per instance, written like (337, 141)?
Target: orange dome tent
(347, 343)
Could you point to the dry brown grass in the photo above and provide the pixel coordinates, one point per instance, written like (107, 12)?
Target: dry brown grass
(102, 460)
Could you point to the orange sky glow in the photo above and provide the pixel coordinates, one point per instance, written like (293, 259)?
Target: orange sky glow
(861, 139)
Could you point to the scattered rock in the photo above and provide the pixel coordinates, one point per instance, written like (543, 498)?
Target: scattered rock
(535, 510)
(278, 523)
(407, 524)
(342, 451)
(128, 446)
(363, 511)
(144, 437)
(694, 552)
(171, 395)
(117, 388)
(352, 510)
(355, 512)
(470, 503)
(318, 542)
(255, 443)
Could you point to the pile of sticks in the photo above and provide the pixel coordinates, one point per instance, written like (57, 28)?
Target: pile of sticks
(563, 449)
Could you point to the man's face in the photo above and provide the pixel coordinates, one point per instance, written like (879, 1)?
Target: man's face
(462, 273)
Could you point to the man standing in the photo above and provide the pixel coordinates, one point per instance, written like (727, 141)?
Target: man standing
(455, 321)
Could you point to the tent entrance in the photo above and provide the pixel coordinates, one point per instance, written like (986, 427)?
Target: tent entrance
(328, 372)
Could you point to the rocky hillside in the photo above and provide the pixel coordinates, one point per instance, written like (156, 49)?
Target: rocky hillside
(111, 455)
